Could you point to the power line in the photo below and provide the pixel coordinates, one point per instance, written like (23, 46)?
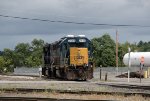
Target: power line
(66, 16)
(71, 22)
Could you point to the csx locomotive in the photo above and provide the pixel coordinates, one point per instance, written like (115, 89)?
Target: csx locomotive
(68, 58)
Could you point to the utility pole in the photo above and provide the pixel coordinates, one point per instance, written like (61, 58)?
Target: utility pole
(129, 63)
(117, 51)
(141, 67)
(100, 72)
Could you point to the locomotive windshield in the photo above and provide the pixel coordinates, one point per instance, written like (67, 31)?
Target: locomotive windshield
(77, 45)
(78, 42)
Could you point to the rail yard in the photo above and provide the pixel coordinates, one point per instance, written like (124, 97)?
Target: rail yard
(74, 50)
(69, 73)
(32, 86)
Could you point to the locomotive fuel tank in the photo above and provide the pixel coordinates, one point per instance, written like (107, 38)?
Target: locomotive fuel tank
(136, 58)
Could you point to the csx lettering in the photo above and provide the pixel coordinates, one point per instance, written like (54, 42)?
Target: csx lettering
(78, 57)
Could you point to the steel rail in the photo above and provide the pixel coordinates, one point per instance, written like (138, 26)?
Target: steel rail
(42, 99)
(27, 90)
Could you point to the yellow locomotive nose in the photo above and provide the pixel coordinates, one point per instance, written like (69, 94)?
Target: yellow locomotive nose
(78, 56)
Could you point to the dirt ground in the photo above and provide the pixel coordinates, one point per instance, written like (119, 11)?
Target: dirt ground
(18, 78)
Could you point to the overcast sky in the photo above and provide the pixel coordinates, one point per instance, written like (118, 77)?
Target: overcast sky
(13, 31)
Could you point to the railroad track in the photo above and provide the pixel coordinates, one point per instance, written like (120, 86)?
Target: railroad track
(28, 90)
(41, 99)
(129, 86)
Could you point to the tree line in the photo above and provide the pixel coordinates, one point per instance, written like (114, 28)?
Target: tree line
(24, 54)
(105, 50)
(104, 53)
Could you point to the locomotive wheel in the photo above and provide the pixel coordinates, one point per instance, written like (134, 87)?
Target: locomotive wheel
(49, 72)
(62, 73)
(83, 76)
(90, 74)
(71, 75)
(54, 72)
(43, 71)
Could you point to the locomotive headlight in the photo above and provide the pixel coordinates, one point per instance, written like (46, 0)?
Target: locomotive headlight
(82, 40)
(91, 66)
(86, 65)
(72, 65)
(71, 40)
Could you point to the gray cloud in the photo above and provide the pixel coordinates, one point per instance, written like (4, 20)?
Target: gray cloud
(13, 31)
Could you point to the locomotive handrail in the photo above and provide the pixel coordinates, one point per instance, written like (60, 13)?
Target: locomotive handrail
(52, 62)
(62, 41)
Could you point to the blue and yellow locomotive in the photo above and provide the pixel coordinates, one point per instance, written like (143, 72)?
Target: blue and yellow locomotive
(69, 58)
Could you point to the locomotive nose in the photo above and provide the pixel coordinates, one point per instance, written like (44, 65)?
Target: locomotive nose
(78, 56)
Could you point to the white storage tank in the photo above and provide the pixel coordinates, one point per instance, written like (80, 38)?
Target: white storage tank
(136, 58)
